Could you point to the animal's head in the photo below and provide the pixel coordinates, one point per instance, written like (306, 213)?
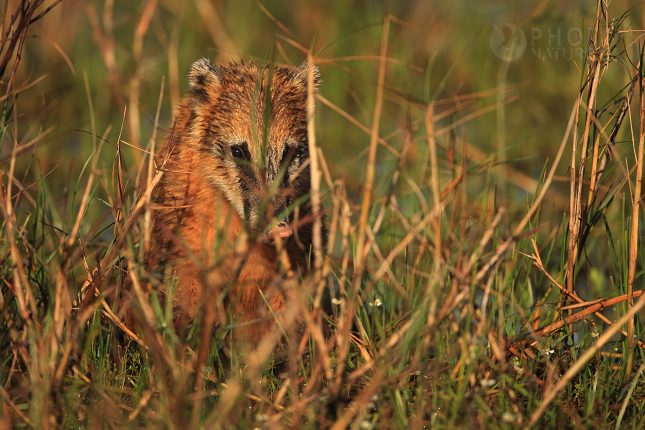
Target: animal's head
(250, 123)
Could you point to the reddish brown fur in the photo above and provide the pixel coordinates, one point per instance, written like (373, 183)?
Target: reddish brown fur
(209, 197)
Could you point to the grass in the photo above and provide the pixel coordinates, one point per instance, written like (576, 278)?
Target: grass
(464, 284)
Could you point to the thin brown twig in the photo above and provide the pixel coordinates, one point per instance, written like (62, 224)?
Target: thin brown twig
(371, 160)
(633, 242)
(151, 162)
(434, 186)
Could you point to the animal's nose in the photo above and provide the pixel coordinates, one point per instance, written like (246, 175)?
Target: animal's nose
(283, 230)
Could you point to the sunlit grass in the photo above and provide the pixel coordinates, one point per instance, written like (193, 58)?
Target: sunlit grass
(445, 298)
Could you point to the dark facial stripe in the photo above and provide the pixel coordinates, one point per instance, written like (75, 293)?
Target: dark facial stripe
(247, 208)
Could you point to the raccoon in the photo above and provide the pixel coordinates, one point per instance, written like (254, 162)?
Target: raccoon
(235, 191)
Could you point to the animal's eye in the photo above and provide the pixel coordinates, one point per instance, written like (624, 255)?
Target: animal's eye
(287, 155)
(292, 153)
(240, 153)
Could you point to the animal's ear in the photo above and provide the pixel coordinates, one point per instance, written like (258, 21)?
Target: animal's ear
(300, 75)
(203, 74)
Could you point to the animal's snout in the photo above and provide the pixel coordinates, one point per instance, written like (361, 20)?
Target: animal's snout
(283, 230)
